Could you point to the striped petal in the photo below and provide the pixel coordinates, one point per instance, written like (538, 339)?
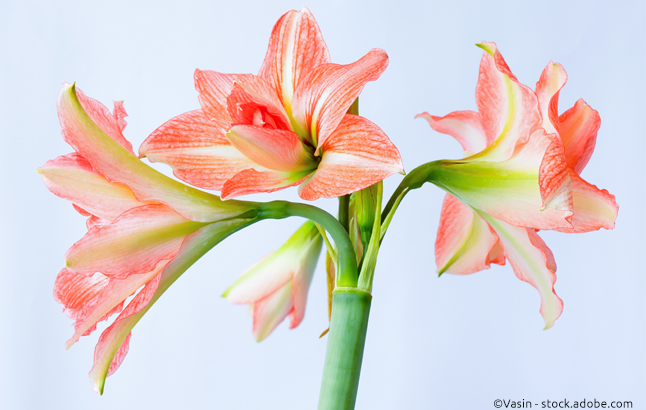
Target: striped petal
(117, 164)
(136, 305)
(465, 126)
(508, 109)
(133, 244)
(110, 349)
(215, 89)
(72, 287)
(578, 128)
(76, 291)
(197, 150)
(296, 47)
(326, 93)
(594, 208)
(553, 178)
(464, 242)
(275, 149)
(553, 78)
(532, 262)
(251, 181)
(356, 155)
(72, 177)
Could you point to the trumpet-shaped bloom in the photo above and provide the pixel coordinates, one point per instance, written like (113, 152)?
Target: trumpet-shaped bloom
(141, 224)
(286, 126)
(277, 286)
(520, 173)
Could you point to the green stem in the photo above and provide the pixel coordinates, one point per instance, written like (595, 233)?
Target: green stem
(344, 212)
(347, 275)
(347, 337)
(413, 180)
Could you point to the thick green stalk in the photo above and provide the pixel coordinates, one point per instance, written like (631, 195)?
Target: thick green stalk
(348, 275)
(347, 337)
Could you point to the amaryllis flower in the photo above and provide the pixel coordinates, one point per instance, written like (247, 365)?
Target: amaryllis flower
(277, 286)
(520, 174)
(144, 229)
(286, 126)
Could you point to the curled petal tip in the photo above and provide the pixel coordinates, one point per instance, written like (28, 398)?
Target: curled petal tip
(490, 48)
(548, 325)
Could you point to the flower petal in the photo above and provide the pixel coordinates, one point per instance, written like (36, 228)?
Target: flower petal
(109, 300)
(296, 47)
(136, 305)
(251, 181)
(464, 240)
(356, 155)
(578, 129)
(275, 149)
(464, 126)
(75, 291)
(120, 355)
(533, 263)
(117, 164)
(261, 279)
(594, 208)
(259, 95)
(133, 244)
(269, 312)
(508, 109)
(112, 124)
(196, 149)
(529, 189)
(194, 246)
(215, 88)
(326, 92)
(311, 243)
(553, 78)
(72, 177)
(553, 178)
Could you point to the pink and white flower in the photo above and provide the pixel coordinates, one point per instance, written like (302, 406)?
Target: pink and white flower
(286, 126)
(144, 229)
(520, 174)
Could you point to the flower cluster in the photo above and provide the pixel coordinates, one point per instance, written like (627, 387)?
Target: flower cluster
(294, 124)
(286, 126)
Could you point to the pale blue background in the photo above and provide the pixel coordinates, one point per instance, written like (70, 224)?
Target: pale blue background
(449, 343)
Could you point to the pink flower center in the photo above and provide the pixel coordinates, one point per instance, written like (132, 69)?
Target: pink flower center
(260, 116)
